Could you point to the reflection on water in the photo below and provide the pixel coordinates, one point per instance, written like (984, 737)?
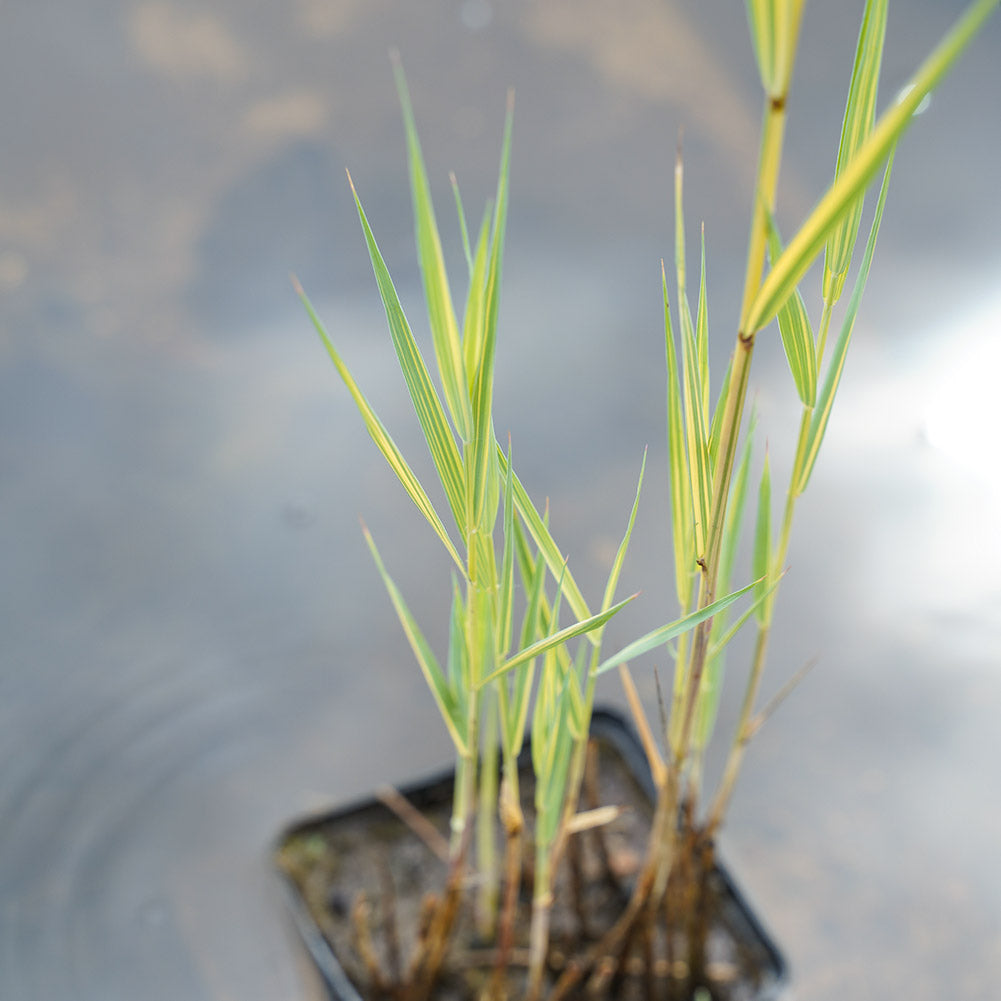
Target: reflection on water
(194, 641)
(963, 413)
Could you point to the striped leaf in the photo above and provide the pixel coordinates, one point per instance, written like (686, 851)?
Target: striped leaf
(664, 634)
(620, 554)
(382, 437)
(763, 541)
(443, 694)
(798, 340)
(430, 413)
(860, 113)
(825, 402)
(559, 638)
(682, 526)
(542, 538)
(441, 314)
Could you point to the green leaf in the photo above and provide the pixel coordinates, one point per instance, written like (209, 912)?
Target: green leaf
(485, 479)
(860, 113)
(682, 526)
(434, 676)
(825, 402)
(462, 223)
(763, 539)
(430, 413)
(381, 436)
(716, 428)
(798, 339)
(474, 320)
(696, 436)
(441, 315)
(720, 644)
(620, 555)
(858, 172)
(735, 510)
(504, 613)
(761, 20)
(547, 545)
(702, 334)
(558, 638)
(695, 376)
(664, 634)
(523, 675)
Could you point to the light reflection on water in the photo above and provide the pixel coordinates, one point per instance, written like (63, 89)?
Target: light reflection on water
(918, 429)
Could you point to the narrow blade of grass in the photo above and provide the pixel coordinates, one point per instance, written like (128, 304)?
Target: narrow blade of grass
(825, 402)
(560, 637)
(620, 555)
(441, 314)
(761, 556)
(463, 229)
(761, 19)
(381, 436)
(504, 612)
(860, 114)
(694, 376)
(474, 318)
(542, 538)
(798, 339)
(682, 526)
(664, 634)
(485, 495)
(434, 676)
(427, 406)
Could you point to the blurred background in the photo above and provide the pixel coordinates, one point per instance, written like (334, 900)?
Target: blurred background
(195, 646)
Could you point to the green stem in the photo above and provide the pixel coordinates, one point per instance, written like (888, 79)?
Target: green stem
(769, 161)
(542, 905)
(486, 822)
(743, 731)
(825, 326)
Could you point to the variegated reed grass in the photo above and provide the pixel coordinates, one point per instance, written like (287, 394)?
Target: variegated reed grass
(709, 483)
(496, 677)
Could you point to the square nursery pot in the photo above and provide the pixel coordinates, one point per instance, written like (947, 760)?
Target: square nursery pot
(326, 861)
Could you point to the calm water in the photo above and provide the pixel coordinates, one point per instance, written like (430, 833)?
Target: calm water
(195, 646)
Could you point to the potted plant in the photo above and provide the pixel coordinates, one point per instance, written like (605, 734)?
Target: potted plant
(563, 866)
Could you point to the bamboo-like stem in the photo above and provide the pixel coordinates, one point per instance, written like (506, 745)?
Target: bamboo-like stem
(542, 905)
(486, 847)
(769, 162)
(514, 822)
(745, 726)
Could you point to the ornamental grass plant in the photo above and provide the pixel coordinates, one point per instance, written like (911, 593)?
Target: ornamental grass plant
(525, 647)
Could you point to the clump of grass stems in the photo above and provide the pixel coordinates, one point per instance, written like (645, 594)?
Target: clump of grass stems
(510, 670)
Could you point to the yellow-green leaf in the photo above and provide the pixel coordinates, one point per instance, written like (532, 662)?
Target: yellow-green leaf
(860, 113)
(430, 412)
(382, 437)
(441, 314)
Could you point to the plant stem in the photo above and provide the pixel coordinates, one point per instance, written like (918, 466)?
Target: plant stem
(542, 904)
(743, 731)
(769, 161)
(486, 847)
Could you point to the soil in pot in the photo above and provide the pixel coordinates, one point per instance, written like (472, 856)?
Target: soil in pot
(360, 879)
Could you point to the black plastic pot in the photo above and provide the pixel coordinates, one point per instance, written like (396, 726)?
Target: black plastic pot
(732, 914)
